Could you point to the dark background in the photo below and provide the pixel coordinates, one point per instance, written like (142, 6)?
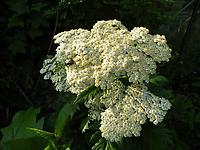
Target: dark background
(27, 28)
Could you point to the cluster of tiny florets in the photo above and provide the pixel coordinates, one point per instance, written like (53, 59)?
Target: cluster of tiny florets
(125, 118)
(102, 57)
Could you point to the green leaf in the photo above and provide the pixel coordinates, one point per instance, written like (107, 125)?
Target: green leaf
(87, 94)
(168, 94)
(49, 148)
(99, 145)
(65, 114)
(50, 137)
(32, 143)
(66, 146)
(184, 8)
(158, 80)
(85, 124)
(110, 146)
(181, 105)
(157, 138)
(44, 134)
(52, 145)
(95, 136)
(21, 120)
(183, 110)
(16, 132)
(102, 144)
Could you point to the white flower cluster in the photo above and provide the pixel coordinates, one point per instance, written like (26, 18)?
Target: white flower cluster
(54, 69)
(108, 98)
(125, 118)
(102, 57)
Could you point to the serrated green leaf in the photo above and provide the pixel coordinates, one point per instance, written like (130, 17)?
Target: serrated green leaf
(16, 132)
(65, 114)
(87, 94)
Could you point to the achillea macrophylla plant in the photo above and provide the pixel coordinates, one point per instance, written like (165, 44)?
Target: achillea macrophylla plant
(118, 62)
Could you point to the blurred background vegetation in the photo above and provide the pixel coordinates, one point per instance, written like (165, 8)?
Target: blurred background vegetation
(27, 28)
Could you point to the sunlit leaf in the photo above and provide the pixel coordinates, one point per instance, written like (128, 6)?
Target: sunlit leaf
(17, 134)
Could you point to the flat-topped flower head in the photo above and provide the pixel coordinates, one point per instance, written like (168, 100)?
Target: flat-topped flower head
(109, 51)
(101, 57)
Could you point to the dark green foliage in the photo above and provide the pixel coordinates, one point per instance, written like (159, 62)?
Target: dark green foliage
(17, 133)
(158, 80)
(157, 138)
(102, 144)
(44, 134)
(64, 116)
(49, 137)
(27, 28)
